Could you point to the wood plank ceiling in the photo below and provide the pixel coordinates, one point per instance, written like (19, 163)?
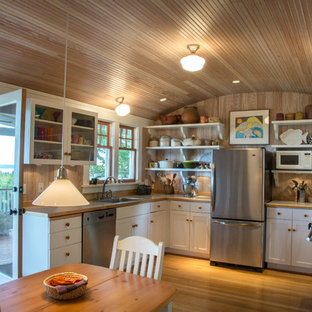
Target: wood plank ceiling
(132, 48)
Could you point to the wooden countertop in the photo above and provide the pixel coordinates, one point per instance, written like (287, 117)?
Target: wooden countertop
(107, 290)
(289, 204)
(52, 212)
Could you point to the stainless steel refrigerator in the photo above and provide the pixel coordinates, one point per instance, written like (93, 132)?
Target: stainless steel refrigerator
(238, 213)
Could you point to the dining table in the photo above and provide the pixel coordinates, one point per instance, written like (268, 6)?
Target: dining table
(107, 290)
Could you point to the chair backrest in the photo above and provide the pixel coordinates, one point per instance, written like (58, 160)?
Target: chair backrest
(135, 253)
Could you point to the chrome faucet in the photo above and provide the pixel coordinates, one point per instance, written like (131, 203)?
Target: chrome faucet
(109, 193)
(309, 238)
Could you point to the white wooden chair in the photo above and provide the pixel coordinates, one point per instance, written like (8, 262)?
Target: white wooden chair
(133, 249)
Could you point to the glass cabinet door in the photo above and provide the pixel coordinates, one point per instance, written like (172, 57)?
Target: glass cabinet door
(48, 124)
(82, 137)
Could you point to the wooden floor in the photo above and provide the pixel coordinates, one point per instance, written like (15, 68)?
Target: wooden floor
(201, 287)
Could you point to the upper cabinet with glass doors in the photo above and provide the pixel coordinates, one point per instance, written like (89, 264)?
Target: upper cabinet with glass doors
(43, 135)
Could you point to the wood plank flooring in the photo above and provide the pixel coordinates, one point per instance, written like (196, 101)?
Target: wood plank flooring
(201, 287)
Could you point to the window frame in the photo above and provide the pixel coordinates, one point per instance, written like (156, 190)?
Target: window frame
(132, 129)
(108, 146)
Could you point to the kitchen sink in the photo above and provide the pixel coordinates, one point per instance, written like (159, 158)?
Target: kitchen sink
(118, 199)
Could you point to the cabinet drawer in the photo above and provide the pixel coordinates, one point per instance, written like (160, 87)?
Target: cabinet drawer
(131, 211)
(179, 205)
(159, 206)
(65, 255)
(302, 214)
(200, 207)
(65, 224)
(279, 213)
(65, 238)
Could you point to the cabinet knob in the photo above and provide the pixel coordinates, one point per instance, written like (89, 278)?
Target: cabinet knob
(158, 206)
(187, 219)
(152, 221)
(305, 215)
(279, 213)
(67, 254)
(199, 207)
(294, 230)
(191, 220)
(65, 153)
(67, 237)
(289, 230)
(67, 224)
(179, 206)
(134, 225)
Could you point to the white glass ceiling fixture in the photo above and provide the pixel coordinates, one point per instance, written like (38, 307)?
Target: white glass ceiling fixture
(122, 109)
(192, 62)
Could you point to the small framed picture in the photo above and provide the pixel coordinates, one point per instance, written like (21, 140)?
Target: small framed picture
(249, 127)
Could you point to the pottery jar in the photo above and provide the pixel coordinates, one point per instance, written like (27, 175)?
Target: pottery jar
(190, 115)
(164, 140)
(308, 111)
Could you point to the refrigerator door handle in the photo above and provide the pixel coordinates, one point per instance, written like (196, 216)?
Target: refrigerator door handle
(213, 187)
(237, 223)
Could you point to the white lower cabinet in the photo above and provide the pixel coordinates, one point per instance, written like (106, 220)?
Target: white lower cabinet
(190, 231)
(179, 230)
(200, 232)
(133, 226)
(158, 227)
(48, 243)
(278, 243)
(150, 220)
(286, 243)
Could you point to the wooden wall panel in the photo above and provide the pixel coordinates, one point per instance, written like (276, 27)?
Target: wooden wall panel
(276, 102)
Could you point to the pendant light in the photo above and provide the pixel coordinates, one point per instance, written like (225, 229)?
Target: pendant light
(62, 192)
(192, 62)
(122, 109)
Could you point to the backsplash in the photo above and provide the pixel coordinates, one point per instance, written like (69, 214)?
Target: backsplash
(34, 174)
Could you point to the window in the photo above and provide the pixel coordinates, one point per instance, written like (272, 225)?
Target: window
(127, 154)
(102, 169)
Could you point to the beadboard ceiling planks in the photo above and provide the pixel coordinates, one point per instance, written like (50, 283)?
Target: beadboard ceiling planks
(132, 48)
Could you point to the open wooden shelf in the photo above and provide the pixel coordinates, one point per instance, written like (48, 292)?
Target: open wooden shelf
(178, 169)
(213, 147)
(277, 123)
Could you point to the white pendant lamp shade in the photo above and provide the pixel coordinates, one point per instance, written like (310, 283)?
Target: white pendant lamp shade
(192, 62)
(61, 192)
(122, 109)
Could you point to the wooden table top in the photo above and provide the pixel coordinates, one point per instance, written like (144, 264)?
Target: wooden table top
(107, 290)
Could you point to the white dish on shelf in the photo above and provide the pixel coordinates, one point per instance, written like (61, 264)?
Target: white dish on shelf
(293, 137)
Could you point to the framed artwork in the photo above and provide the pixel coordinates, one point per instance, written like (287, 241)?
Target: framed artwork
(249, 127)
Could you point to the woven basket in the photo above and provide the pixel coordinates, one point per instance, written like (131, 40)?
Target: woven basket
(51, 290)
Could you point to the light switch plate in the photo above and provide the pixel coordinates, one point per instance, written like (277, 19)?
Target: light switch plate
(40, 187)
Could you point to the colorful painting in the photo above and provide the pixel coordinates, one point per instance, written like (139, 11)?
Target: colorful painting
(249, 127)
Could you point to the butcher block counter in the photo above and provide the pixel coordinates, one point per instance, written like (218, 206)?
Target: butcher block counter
(289, 204)
(52, 212)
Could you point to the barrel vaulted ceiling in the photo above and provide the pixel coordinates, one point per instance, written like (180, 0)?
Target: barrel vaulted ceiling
(132, 48)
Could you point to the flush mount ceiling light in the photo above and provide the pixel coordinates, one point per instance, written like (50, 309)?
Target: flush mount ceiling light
(61, 192)
(122, 109)
(192, 62)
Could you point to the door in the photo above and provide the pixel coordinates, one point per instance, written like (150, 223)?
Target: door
(278, 241)
(157, 227)
(237, 242)
(301, 249)
(12, 117)
(200, 232)
(238, 184)
(179, 229)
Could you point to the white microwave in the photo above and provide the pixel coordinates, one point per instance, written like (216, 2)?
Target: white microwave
(299, 160)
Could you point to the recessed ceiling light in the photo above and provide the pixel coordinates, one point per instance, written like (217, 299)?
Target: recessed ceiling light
(163, 100)
(236, 81)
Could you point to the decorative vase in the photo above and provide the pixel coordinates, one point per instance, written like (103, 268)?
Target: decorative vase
(301, 196)
(190, 115)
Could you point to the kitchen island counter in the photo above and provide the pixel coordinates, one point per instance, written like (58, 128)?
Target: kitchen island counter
(52, 212)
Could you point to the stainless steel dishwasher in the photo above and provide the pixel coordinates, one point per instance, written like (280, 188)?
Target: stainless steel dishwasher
(98, 233)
